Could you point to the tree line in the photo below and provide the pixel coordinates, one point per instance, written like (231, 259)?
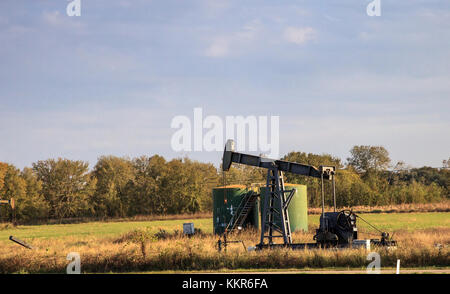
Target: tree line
(369, 179)
(123, 187)
(116, 187)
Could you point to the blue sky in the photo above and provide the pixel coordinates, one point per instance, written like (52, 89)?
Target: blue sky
(111, 80)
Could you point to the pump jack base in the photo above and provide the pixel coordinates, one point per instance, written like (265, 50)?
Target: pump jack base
(290, 246)
(356, 244)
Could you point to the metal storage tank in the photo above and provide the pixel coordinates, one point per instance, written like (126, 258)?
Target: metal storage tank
(298, 208)
(226, 200)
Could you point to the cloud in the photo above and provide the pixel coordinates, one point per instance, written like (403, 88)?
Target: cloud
(84, 132)
(214, 8)
(394, 133)
(101, 59)
(124, 3)
(384, 87)
(299, 35)
(228, 44)
(3, 20)
(19, 30)
(220, 47)
(55, 19)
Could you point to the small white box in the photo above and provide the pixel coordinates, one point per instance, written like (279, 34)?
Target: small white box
(361, 243)
(188, 228)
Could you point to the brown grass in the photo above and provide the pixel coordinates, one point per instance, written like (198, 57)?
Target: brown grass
(147, 250)
(141, 250)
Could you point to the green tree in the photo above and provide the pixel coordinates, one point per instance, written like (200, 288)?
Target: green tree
(313, 184)
(33, 206)
(24, 187)
(239, 174)
(112, 174)
(3, 169)
(347, 181)
(177, 186)
(368, 158)
(143, 191)
(206, 177)
(183, 186)
(66, 185)
(13, 187)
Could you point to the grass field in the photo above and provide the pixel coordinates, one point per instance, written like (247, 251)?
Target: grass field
(97, 229)
(388, 222)
(133, 246)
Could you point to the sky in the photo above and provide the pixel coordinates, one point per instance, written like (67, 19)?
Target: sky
(110, 81)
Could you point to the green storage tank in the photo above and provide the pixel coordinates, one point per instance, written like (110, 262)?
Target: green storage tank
(226, 200)
(298, 208)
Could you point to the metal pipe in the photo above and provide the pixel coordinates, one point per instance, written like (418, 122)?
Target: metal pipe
(323, 199)
(334, 194)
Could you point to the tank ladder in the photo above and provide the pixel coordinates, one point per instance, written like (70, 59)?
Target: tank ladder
(242, 212)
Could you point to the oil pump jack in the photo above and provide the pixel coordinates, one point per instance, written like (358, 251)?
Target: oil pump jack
(337, 229)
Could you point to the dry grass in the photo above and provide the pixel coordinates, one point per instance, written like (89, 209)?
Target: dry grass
(142, 250)
(158, 246)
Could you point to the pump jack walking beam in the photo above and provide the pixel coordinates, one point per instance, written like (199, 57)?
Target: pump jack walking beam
(230, 156)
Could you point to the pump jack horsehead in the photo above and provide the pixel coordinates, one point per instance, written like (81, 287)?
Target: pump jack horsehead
(337, 228)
